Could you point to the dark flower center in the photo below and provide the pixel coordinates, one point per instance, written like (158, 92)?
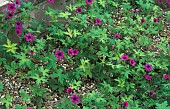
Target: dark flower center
(124, 57)
(79, 10)
(11, 7)
(10, 14)
(148, 66)
(59, 54)
(29, 37)
(18, 23)
(74, 98)
(89, 0)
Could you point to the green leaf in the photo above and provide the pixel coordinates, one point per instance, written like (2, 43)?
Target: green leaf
(163, 105)
(7, 101)
(102, 2)
(64, 15)
(24, 95)
(1, 87)
(61, 77)
(23, 60)
(17, 106)
(10, 47)
(28, 5)
(75, 84)
(44, 71)
(41, 43)
(38, 79)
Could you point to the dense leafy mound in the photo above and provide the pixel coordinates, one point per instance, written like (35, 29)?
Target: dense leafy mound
(111, 43)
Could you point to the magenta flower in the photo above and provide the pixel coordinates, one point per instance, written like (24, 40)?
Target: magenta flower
(168, 2)
(89, 2)
(18, 23)
(126, 104)
(17, 2)
(148, 67)
(10, 14)
(75, 99)
(70, 51)
(51, 1)
(32, 52)
(148, 77)
(155, 20)
(151, 92)
(135, 10)
(29, 37)
(18, 32)
(59, 54)
(132, 62)
(18, 28)
(69, 90)
(79, 10)
(117, 35)
(142, 20)
(124, 57)
(159, 0)
(73, 52)
(88, 19)
(166, 76)
(11, 7)
(98, 21)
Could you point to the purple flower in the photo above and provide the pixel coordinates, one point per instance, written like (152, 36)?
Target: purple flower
(59, 54)
(32, 52)
(18, 27)
(148, 67)
(51, 1)
(17, 2)
(70, 51)
(29, 37)
(159, 0)
(88, 19)
(73, 52)
(98, 21)
(75, 99)
(89, 2)
(126, 104)
(69, 90)
(151, 92)
(135, 10)
(142, 20)
(132, 62)
(18, 32)
(166, 76)
(117, 35)
(11, 7)
(79, 10)
(148, 77)
(10, 14)
(124, 57)
(155, 20)
(168, 1)
(18, 23)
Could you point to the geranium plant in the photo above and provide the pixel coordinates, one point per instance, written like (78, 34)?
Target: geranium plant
(110, 43)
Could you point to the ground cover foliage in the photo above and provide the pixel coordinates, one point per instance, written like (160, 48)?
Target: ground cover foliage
(116, 44)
